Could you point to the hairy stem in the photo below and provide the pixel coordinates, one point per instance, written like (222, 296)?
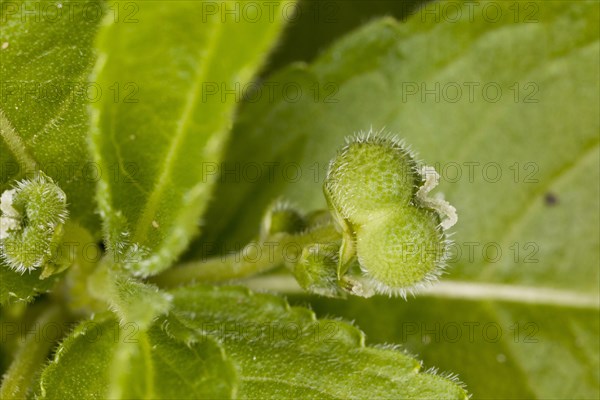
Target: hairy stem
(32, 352)
(254, 258)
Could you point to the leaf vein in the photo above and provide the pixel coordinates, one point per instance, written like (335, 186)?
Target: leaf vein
(15, 144)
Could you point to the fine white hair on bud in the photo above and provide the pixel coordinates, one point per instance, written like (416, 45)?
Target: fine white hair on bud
(32, 215)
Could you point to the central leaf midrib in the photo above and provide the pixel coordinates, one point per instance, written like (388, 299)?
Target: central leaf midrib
(464, 290)
(151, 207)
(15, 144)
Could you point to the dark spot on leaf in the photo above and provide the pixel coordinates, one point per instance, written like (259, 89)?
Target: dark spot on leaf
(550, 199)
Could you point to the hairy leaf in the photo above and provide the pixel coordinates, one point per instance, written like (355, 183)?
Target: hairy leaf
(102, 360)
(159, 140)
(134, 302)
(512, 341)
(267, 350)
(16, 287)
(285, 352)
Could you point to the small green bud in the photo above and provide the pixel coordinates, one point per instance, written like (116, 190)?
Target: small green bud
(316, 269)
(318, 218)
(31, 222)
(391, 228)
(282, 218)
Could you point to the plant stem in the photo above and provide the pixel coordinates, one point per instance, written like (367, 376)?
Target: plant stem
(32, 352)
(254, 258)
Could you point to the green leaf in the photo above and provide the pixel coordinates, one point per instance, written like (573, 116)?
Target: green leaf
(284, 352)
(15, 287)
(321, 23)
(489, 342)
(46, 60)
(159, 143)
(541, 135)
(132, 301)
(102, 360)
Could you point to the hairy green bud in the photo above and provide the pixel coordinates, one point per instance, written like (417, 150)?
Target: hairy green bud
(282, 218)
(32, 215)
(316, 270)
(379, 197)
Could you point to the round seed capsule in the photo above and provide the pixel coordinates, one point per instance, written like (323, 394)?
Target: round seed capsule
(371, 174)
(400, 250)
(379, 198)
